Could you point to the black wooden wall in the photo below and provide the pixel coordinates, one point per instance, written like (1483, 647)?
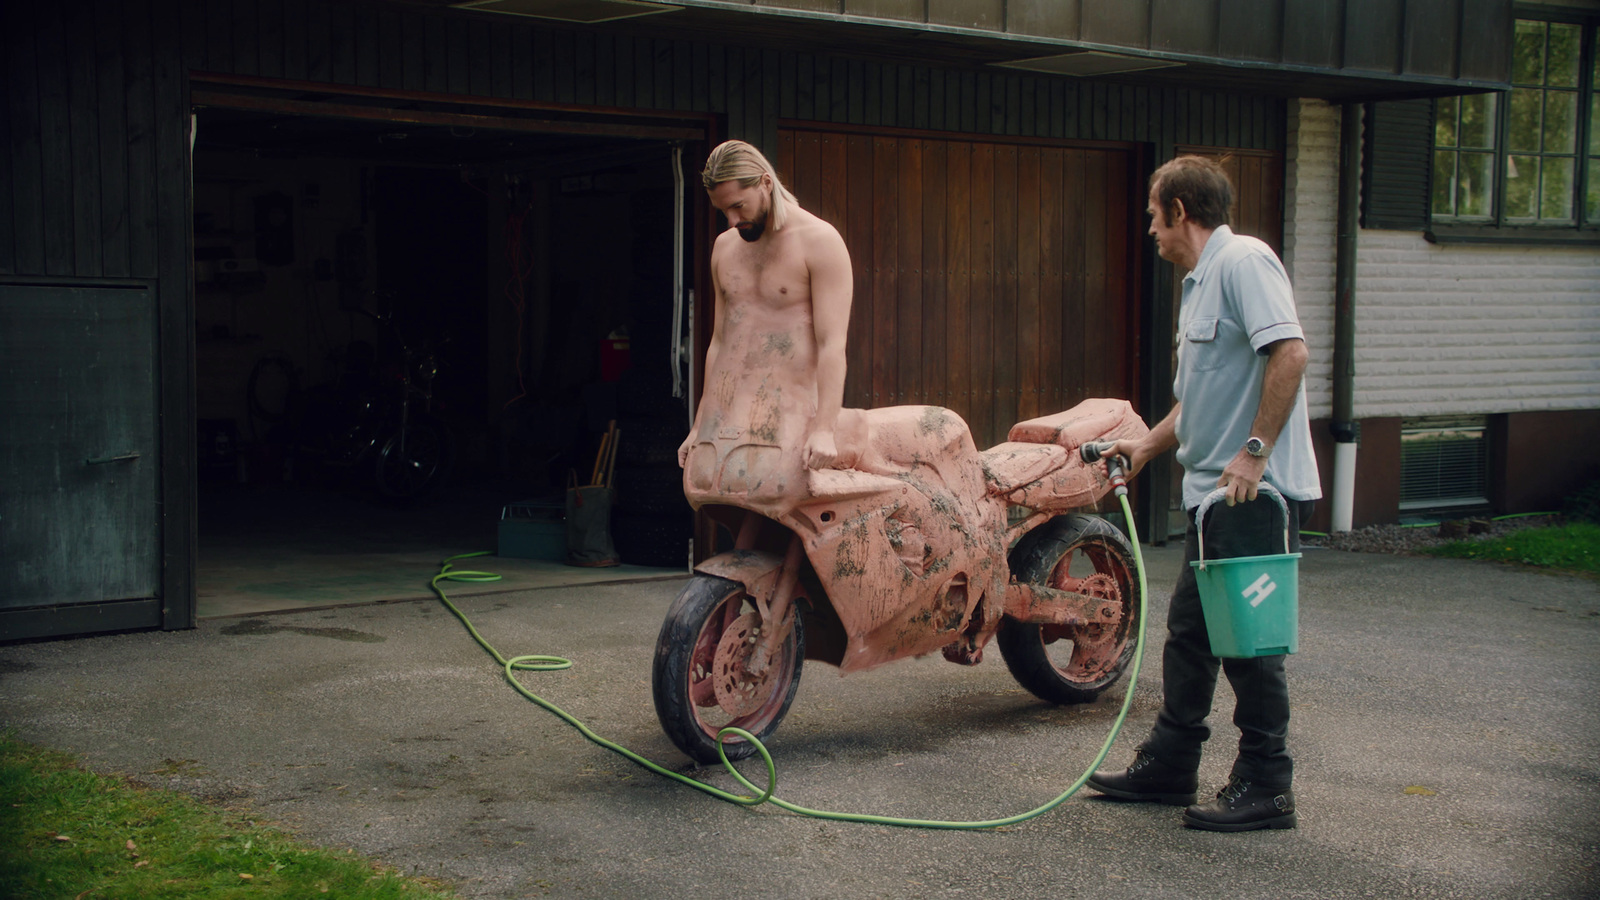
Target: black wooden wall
(94, 110)
(94, 113)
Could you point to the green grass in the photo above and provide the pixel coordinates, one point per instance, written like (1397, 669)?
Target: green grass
(1574, 546)
(67, 833)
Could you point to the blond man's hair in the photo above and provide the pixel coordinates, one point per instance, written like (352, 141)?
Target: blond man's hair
(739, 161)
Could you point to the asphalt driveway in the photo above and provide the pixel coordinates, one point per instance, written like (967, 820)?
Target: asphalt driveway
(1447, 736)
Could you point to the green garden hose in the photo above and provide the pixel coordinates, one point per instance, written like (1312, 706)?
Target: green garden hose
(539, 663)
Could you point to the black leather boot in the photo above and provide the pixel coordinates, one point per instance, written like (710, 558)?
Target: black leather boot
(1242, 806)
(1148, 779)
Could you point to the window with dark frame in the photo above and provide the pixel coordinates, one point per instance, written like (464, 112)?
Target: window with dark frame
(1529, 158)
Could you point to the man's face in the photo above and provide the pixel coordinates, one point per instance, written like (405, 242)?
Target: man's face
(746, 208)
(1164, 231)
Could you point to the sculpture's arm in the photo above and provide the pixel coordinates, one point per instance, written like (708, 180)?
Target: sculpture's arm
(828, 263)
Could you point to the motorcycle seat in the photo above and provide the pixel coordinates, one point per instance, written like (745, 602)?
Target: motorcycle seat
(1013, 464)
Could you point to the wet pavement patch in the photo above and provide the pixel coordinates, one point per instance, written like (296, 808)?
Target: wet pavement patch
(261, 626)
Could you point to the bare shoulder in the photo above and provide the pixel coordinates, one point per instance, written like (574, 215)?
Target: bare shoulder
(817, 235)
(727, 239)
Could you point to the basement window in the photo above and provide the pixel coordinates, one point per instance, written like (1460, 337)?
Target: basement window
(1444, 463)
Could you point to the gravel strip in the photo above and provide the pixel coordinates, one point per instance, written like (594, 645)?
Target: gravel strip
(1412, 540)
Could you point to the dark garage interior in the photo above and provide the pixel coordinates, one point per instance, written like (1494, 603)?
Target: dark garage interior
(405, 332)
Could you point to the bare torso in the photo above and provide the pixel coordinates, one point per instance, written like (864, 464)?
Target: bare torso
(764, 378)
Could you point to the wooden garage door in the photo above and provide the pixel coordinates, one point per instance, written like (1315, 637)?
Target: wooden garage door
(994, 278)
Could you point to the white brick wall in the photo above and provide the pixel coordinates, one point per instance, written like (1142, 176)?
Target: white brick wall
(1310, 236)
(1461, 328)
(1474, 328)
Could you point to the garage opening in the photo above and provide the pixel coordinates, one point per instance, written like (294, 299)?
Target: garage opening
(408, 328)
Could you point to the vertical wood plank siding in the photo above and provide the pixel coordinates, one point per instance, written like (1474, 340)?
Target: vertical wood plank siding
(992, 276)
(992, 269)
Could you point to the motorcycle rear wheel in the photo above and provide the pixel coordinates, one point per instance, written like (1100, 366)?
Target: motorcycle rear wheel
(1064, 663)
(414, 470)
(685, 678)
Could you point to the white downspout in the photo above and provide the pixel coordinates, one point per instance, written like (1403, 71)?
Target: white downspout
(677, 349)
(1346, 431)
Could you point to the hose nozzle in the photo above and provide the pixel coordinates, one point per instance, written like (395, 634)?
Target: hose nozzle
(1093, 451)
(1116, 466)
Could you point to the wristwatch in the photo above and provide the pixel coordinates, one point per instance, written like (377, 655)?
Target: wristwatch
(1258, 448)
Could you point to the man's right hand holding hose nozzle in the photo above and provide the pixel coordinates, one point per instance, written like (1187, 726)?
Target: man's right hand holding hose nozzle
(1116, 464)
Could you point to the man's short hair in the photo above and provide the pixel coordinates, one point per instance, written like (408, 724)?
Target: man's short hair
(739, 161)
(1200, 183)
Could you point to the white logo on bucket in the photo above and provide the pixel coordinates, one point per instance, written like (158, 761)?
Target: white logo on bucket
(1263, 588)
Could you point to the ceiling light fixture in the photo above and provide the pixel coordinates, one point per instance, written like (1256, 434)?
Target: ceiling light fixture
(1087, 63)
(585, 12)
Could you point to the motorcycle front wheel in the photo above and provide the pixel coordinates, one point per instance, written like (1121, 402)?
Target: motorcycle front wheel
(412, 463)
(1073, 663)
(699, 681)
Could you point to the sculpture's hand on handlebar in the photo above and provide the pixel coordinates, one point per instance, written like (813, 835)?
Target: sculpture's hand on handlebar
(820, 451)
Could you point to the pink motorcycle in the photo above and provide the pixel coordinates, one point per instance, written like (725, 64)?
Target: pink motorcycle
(917, 542)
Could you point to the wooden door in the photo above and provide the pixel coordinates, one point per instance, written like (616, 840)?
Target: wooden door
(992, 277)
(80, 524)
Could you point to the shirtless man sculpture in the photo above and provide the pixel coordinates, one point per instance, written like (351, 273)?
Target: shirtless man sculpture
(783, 287)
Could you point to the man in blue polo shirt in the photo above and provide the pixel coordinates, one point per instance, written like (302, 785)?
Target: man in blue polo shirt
(1240, 420)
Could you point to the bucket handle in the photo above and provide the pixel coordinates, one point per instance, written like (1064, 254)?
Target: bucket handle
(1218, 494)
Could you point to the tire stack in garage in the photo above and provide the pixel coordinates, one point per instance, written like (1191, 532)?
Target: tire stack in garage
(651, 524)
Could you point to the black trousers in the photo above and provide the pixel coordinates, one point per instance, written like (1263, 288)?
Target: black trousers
(1189, 671)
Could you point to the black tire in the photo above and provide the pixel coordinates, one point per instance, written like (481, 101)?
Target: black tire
(413, 471)
(272, 403)
(687, 647)
(1073, 664)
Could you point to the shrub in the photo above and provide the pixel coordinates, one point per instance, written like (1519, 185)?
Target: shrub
(1584, 506)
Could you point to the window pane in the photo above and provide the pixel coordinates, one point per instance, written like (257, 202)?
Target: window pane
(1477, 121)
(1444, 182)
(1560, 118)
(1527, 53)
(1594, 127)
(1444, 122)
(1524, 131)
(1522, 187)
(1564, 55)
(1594, 196)
(1556, 194)
(1475, 184)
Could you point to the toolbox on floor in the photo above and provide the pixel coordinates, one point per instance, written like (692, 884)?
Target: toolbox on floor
(534, 529)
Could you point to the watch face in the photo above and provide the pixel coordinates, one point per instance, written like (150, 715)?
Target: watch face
(1254, 446)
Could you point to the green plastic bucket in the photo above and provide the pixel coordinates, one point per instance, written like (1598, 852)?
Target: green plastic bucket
(1251, 603)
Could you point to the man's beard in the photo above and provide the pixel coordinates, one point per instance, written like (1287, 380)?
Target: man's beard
(752, 232)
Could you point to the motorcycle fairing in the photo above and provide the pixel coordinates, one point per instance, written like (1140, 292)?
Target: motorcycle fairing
(902, 539)
(1075, 485)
